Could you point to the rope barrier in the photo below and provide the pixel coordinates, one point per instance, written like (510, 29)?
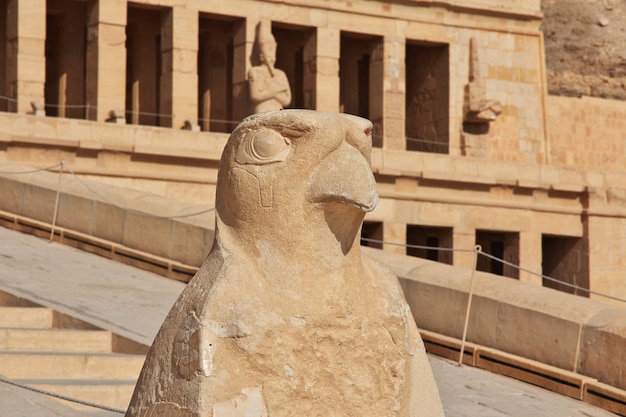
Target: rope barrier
(406, 245)
(31, 171)
(481, 252)
(144, 113)
(9, 99)
(70, 106)
(128, 209)
(418, 140)
(61, 397)
(231, 122)
(62, 165)
(566, 284)
(470, 296)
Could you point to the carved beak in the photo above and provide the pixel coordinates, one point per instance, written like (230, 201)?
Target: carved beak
(344, 176)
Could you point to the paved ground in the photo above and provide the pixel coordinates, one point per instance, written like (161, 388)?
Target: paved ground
(133, 303)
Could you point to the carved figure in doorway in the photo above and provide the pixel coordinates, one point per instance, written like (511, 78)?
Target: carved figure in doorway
(286, 317)
(479, 109)
(268, 86)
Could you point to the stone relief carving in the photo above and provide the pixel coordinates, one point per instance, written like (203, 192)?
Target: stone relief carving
(268, 86)
(479, 109)
(286, 317)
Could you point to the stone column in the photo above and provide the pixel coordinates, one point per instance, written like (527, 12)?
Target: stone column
(463, 239)
(388, 101)
(243, 43)
(26, 66)
(106, 59)
(321, 77)
(530, 256)
(394, 233)
(179, 78)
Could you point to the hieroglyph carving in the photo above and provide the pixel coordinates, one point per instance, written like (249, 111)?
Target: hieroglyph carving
(286, 317)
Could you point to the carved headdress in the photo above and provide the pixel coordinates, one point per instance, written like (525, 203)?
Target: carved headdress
(264, 33)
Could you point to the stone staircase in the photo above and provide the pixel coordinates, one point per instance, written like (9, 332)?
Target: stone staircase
(45, 349)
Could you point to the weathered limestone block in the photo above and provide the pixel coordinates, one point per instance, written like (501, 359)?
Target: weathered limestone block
(285, 317)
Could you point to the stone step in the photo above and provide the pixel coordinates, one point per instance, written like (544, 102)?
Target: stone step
(55, 340)
(28, 317)
(51, 365)
(111, 393)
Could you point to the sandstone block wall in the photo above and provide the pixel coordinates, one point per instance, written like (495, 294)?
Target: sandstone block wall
(127, 217)
(166, 55)
(572, 333)
(587, 132)
(124, 155)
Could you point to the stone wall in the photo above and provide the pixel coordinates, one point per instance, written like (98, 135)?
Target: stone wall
(587, 132)
(561, 330)
(177, 164)
(176, 48)
(565, 331)
(529, 175)
(117, 216)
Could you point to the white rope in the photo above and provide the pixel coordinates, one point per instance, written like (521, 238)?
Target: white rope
(62, 164)
(130, 210)
(481, 252)
(232, 122)
(62, 397)
(31, 171)
(9, 99)
(418, 140)
(566, 284)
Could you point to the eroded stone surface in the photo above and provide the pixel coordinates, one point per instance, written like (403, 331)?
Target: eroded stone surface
(285, 318)
(479, 109)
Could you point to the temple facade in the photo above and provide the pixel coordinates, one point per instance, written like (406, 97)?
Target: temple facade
(468, 147)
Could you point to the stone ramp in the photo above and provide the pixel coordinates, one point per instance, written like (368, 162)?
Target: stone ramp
(126, 300)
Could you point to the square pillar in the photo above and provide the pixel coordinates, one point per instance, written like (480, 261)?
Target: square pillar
(388, 90)
(26, 67)
(321, 73)
(106, 58)
(464, 239)
(530, 257)
(179, 76)
(243, 44)
(394, 233)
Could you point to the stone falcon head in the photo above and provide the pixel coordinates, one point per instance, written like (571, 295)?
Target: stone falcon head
(299, 174)
(285, 316)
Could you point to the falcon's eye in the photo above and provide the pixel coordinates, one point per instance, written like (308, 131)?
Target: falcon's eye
(262, 147)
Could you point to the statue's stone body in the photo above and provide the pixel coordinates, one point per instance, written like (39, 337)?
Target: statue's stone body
(268, 86)
(285, 317)
(479, 109)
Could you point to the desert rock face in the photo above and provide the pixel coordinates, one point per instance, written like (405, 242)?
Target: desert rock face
(585, 44)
